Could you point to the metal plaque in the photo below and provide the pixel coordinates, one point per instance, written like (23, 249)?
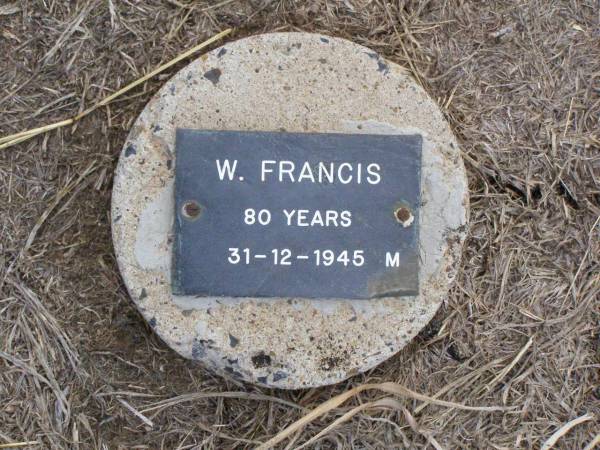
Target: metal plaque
(296, 215)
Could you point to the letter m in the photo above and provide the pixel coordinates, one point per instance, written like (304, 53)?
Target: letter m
(392, 261)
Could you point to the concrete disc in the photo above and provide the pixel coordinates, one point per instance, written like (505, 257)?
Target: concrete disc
(297, 82)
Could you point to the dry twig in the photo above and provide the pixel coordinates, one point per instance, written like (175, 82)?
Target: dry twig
(14, 139)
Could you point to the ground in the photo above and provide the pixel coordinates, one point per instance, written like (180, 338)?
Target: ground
(519, 82)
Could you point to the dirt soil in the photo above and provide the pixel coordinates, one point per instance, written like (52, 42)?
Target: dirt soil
(519, 82)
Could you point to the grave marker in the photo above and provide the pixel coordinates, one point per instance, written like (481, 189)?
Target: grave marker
(203, 241)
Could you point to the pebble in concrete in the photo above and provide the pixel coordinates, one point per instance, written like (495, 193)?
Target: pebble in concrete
(294, 82)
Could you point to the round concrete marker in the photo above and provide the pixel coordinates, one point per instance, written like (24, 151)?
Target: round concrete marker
(294, 82)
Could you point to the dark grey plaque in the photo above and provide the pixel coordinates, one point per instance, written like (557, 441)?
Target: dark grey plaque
(305, 215)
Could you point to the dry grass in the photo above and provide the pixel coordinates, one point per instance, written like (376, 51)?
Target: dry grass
(520, 84)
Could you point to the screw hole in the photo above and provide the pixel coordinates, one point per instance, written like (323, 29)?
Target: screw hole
(404, 216)
(191, 210)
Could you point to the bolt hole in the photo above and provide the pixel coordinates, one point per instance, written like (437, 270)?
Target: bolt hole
(191, 210)
(404, 216)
